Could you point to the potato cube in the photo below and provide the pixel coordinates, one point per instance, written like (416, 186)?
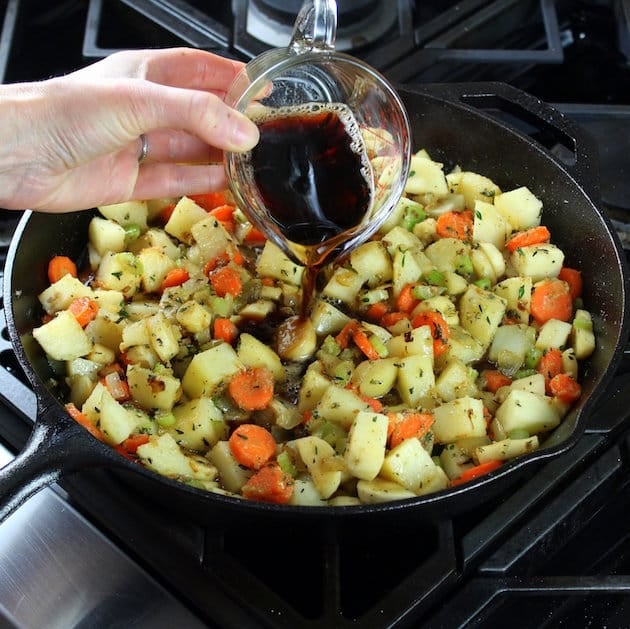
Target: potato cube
(198, 424)
(538, 261)
(372, 262)
(233, 476)
(272, 262)
(62, 338)
(319, 457)
(120, 272)
(155, 266)
(458, 419)
(153, 390)
(520, 208)
(481, 313)
(365, 450)
(184, 216)
(211, 369)
(425, 176)
(115, 421)
(416, 378)
(127, 213)
(523, 410)
(517, 292)
(106, 235)
(254, 353)
(381, 490)
(375, 378)
(489, 225)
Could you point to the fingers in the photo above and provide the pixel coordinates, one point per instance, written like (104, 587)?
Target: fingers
(174, 180)
(165, 145)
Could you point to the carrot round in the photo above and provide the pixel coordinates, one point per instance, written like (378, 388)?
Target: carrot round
(455, 225)
(551, 299)
(363, 343)
(255, 237)
(573, 278)
(84, 310)
(60, 266)
(269, 484)
(214, 263)
(439, 329)
(175, 277)
(226, 281)
(82, 419)
(550, 365)
(252, 445)
(392, 318)
(210, 200)
(224, 330)
(406, 302)
(166, 212)
(494, 380)
(407, 425)
(533, 236)
(565, 388)
(476, 471)
(376, 311)
(252, 389)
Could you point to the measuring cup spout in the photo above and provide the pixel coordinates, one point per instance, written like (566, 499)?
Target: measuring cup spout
(315, 27)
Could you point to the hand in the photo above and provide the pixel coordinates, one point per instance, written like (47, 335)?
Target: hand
(73, 142)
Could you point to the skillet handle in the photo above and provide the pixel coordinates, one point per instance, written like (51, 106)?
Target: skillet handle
(568, 143)
(57, 445)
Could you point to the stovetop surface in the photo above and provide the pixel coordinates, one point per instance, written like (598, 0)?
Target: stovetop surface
(554, 552)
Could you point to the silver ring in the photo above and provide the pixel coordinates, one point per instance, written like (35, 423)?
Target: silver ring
(144, 148)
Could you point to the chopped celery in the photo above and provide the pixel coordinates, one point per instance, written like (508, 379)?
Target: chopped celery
(378, 345)
(132, 232)
(484, 283)
(518, 433)
(435, 278)
(330, 346)
(412, 216)
(286, 464)
(165, 419)
(464, 265)
(532, 357)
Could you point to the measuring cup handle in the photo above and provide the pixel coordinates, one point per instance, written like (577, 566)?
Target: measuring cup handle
(315, 27)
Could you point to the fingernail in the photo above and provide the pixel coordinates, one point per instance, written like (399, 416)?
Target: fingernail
(244, 134)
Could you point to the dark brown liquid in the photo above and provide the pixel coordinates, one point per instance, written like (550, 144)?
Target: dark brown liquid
(311, 173)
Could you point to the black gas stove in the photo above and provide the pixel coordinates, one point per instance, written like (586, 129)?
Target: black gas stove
(554, 552)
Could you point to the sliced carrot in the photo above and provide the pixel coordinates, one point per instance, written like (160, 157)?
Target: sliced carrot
(565, 388)
(82, 419)
(210, 200)
(494, 380)
(407, 425)
(237, 256)
(84, 310)
(439, 329)
(392, 318)
(406, 302)
(375, 405)
(551, 299)
(133, 442)
(252, 445)
(573, 278)
(267, 281)
(532, 236)
(376, 311)
(225, 330)
(166, 212)
(269, 484)
(214, 263)
(60, 266)
(476, 471)
(226, 281)
(117, 386)
(550, 365)
(363, 343)
(255, 237)
(175, 277)
(252, 388)
(455, 225)
(345, 334)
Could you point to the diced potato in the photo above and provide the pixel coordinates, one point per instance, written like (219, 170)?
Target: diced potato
(115, 421)
(400, 239)
(198, 424)
(570, 363)
(158, 239)
(481, 313)
(375, 378)
(339, 405)
(106, 236)
(487, 261)
(440, 304)
(164, 336)
(372, 262)
(416, 378)
(520, 208)
(120, 272)
(455, 284)
(233, 476)
(425, 176)
(210, 369)
(455, 460)
(380, 490)
(319, 456)
(193, 317)
(59, 296)
(274, 263)
(91, 408)
(489, 225)
(411, 466)
(509, 347)
(463, 346)
(314, 384)
(153, 390)
(62, 338)
(553, 333)
(210, 237)
(463, 417)
(517, 292)
(164, 456)
(344, 285)
(582, 337)
(327, 319)
(534, 384)
(155, 266)
(409, 266)
(254, 353)
(445, 254)
(476, 187)
(455, 380)
(527, 411)
(184, 216)
(305, 494)
(506, 449)
(127, 213)
(538, 261)
(416, 342)
(365, 450)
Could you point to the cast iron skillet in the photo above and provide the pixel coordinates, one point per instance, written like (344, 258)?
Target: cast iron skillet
(453, 132)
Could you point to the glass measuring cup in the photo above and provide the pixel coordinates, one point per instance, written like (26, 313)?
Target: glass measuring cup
(335, 144)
